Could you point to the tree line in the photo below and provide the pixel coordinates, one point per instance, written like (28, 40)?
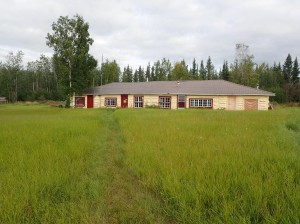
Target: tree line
(72, 69)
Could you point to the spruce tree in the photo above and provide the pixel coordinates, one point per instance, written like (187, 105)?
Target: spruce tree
(225, 71)
(210, 70)
(141, 74)
(194, 70)
(295, 72)
(136, 76)
(124, 75)
(202, 71)
(287, 69)
(127, 74)
(152, 75)
(148, 72)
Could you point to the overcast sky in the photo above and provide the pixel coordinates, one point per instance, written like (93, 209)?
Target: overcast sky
(136, 32)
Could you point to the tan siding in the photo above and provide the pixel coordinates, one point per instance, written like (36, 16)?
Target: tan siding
(219, 102)
(97, 101)
(151, 100)
(239, 103)
(102, 100)
(174, 101)
(263, 102)
(222, 102)
(231, 102)
(130, 101)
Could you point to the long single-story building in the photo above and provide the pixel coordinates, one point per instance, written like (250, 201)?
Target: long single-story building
(213, 94)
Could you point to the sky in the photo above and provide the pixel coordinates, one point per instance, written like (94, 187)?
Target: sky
(137, 32)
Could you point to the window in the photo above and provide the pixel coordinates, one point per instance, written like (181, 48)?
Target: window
(181, 101)
(110, 102)
(164, 102)
(205, 103)
(138, 101)
(79, 101)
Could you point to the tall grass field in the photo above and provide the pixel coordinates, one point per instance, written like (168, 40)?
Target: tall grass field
(148, 166)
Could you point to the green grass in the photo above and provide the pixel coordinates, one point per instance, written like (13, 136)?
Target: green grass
(65, 166)
(45, 164)
(148, 166)
(218, 166)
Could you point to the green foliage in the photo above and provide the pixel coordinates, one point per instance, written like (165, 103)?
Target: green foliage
(148, 72)
(194, 70)
(242, 70)
(141, 75)
(48, 78)
(110, 72)
(41, 81)
(71, 41)
(13, 70)
(127, 74)
(159, 71)
(293, 92)
(180, 71)
(287, 69)
(225, 71)
(295, 72)
(202, 72)
(210, 70)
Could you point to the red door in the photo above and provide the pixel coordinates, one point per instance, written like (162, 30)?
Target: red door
(181, 101)
(124, 101)
(90, 101)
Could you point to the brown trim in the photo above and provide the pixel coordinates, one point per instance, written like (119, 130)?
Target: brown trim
(135, 101)
(212, 102)
(107, 98)
(80, 98)
(159, 103)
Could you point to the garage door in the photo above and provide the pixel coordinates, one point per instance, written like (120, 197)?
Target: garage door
(251, 104)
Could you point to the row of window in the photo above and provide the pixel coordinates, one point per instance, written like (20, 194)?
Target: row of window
(164, 102)
(201, 103)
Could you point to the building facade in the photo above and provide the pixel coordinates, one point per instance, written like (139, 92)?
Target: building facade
(210, 94)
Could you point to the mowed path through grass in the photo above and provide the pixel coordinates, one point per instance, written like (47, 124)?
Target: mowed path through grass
(65, 166)
(148, 166)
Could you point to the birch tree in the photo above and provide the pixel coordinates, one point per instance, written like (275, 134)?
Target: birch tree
(71, 42)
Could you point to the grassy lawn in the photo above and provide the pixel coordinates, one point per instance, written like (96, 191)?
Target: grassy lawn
(65, 166)
(148, 166)
(217, 166)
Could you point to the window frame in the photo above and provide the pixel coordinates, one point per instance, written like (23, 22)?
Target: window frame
(201, 103)
(108, 101)
(77, 98)
(138, 102)
(165, 103)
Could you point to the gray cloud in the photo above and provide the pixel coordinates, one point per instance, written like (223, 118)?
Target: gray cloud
(136, 32)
